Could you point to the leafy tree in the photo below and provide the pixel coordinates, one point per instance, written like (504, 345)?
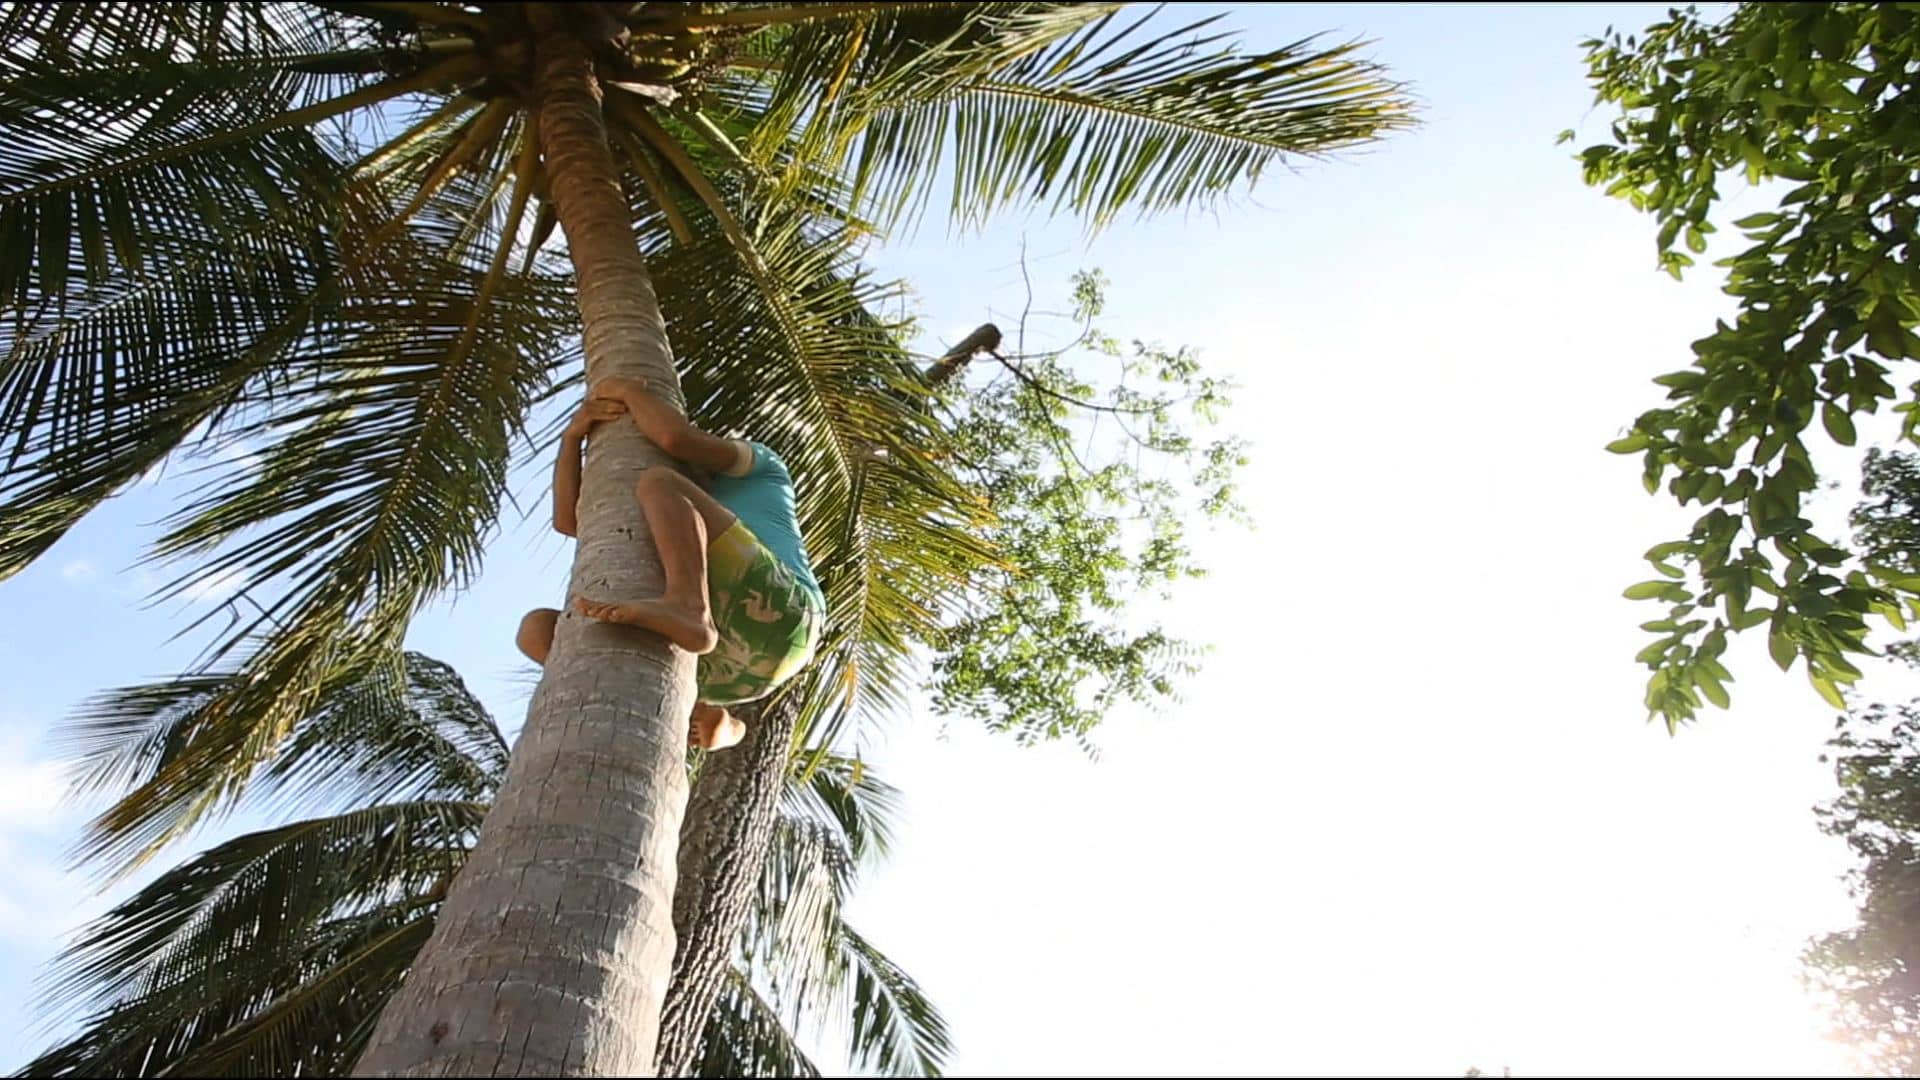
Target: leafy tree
(1818, 104)
(1043, 652)
(271, 954)
(349, 234)
(1870, 972)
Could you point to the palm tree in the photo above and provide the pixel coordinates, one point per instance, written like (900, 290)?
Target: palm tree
(326, 230)
(271, 954)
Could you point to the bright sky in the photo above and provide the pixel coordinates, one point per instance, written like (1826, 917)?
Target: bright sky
(1411, 817)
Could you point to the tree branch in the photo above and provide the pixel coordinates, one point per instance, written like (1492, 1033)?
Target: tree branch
(985, 337)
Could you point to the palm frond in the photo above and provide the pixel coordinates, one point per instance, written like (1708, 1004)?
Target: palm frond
(321, 1025)
(243, 913)
(101, 377)
(107, 157)
(896, 1028)
(105, 391)
(780, 14)
(815, 965)
(309, 1017)
(381, 463)
(846, 794)
(1106, 119)
(825, 70)
(795, 920)
(402, 726)
(746, 1037)
(420, 734)
(162, 239)
(83, 32)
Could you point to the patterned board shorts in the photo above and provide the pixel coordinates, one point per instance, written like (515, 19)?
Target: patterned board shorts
(769, 622)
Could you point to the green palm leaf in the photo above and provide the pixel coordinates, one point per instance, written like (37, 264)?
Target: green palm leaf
(797, 941)
(270, 954)
(382, 464)
(140, 147)
(161, 241)
(89, 31)
(1059, 103)
(250, 905)
(896, 1028)
(397, 727)
(844, 794)
(1114, 119)
(321, 1025)
(823, 71)
(103, 374)
(745, 1036)
(310, 1016)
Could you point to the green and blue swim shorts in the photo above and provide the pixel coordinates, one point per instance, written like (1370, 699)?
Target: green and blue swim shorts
(769, 621)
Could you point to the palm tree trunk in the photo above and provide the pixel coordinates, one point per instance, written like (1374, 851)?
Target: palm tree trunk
(552, 953)
(723, 850)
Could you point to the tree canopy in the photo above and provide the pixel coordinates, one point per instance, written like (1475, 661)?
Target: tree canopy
(207, 242)
(1869, 973)
(1818, 105)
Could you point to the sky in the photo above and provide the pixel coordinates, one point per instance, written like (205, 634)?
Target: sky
(1410, 817)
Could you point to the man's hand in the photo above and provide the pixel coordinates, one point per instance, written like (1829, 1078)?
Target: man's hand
(593, 411)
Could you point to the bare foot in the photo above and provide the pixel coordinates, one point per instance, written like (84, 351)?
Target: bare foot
(714, 728)
(691, 630)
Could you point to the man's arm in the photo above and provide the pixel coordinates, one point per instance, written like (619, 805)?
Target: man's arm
(566, 467)
(674, 433)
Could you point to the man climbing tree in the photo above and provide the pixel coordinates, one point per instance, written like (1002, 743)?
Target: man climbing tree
(740, 591)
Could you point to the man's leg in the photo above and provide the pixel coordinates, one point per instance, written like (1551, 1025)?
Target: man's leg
(535, 636)
(681, 517)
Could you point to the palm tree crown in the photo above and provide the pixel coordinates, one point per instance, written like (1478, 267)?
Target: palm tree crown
(323, 231)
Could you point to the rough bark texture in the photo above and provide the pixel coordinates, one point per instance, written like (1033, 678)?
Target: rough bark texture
(552, 953)
(723, 848)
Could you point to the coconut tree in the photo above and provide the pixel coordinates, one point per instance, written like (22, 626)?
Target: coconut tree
(272, 953)
(347, 235)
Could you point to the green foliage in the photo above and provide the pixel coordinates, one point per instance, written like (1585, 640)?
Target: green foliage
(272, 953)
(801, 959)
(1886, 522)
(1050, 640)
(1870, 973)
(1159, 117)
(1819, 103)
